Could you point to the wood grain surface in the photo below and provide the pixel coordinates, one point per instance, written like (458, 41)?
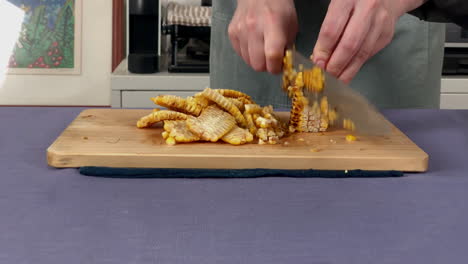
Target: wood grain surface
(110, 138)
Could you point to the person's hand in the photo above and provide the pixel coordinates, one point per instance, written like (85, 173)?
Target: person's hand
(355, 30)
(260, 31)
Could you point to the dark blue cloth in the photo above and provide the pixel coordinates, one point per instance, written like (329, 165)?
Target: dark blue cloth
(56, 216)
(226, 173)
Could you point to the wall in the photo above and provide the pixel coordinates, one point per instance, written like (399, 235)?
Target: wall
(92, 87)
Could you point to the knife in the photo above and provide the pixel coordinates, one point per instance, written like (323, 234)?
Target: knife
(347, 102)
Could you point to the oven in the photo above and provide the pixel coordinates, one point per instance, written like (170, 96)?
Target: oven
(454, 85)
(456, 51)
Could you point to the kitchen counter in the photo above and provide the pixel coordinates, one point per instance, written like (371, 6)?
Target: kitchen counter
(55, 216)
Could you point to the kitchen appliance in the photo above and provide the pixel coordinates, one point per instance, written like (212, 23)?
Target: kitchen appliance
(189, 29)
(144, 26)
(456, 51)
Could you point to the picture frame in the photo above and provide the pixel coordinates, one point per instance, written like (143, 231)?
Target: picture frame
(49, 61)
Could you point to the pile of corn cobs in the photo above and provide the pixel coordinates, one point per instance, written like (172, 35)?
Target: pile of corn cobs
(233, 117)
(215, 114)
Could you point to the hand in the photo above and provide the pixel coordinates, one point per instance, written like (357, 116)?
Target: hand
(355, 30)
(261, 30)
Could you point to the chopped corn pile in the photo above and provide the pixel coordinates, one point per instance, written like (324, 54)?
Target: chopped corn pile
(233, 117)
(215, 115)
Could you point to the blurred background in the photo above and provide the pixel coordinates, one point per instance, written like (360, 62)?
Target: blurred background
(119, 53)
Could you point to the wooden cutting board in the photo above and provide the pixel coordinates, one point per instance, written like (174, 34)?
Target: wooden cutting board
(110, 138)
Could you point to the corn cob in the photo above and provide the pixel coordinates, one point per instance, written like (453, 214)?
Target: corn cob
(238, 136)
(303, 117)
(226, 104)
(212, 124)
(250, 123)
(245, 100)
(179, 104)
(179, 131)
(238, 103)
(253, 109)
(233, 94)
(158, 116)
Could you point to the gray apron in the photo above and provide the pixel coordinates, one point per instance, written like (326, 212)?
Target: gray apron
(405, 74)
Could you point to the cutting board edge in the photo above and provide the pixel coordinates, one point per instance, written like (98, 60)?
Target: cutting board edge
(58, 159)
(61, 160)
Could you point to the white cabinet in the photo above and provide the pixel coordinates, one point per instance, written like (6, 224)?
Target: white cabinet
(454, 101)
(454, 92)
(135, 90)
(141, 99)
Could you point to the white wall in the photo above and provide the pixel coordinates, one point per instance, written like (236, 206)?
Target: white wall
(92, 87)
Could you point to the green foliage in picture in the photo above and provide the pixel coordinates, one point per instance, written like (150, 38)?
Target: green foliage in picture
(47, 38)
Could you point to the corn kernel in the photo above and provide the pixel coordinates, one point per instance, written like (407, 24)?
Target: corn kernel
(332, 116)
(314, 150)
(324, 105)
(299, 80)
(273, 140)
(170, 141)
(348, 124)
(314, 80)
(350, 138)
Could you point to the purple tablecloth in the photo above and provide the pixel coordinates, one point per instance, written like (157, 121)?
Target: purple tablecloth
(56, 216)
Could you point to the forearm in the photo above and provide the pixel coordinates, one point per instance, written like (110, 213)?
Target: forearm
(446, 11)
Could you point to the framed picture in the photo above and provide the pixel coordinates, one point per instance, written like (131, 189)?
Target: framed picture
(49, 41)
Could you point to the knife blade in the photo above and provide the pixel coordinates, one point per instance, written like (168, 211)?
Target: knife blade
(347, 102)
